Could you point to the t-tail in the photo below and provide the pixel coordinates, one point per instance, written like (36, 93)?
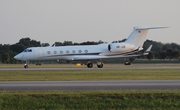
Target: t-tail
(138, 36)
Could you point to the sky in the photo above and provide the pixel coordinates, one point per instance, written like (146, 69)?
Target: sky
(50, 21)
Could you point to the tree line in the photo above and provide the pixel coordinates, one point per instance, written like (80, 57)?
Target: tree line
(159, 50)
(162, 51)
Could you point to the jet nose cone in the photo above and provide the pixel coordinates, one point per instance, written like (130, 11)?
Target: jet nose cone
(17, 57)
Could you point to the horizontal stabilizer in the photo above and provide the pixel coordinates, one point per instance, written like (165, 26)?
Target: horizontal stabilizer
(147, 27)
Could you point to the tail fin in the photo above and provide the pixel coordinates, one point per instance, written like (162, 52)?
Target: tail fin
(138, 36)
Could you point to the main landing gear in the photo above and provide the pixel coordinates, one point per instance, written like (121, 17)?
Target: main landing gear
(127, 63)
(90, 64)
(99, 64)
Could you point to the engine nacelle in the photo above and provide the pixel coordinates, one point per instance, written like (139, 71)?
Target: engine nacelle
(120, 47)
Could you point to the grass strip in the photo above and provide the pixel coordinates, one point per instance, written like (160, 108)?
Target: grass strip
(91, 100)
(69, 75)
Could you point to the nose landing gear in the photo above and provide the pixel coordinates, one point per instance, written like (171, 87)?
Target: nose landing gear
(26, 64)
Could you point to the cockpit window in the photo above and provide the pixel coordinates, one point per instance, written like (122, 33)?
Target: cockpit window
(28, 50)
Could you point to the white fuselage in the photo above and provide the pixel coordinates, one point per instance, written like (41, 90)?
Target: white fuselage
(125, 49)
(83, 52)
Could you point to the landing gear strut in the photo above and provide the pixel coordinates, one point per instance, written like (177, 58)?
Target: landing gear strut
(127, 63)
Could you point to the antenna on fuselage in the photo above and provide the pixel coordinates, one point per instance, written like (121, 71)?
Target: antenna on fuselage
(53, 45)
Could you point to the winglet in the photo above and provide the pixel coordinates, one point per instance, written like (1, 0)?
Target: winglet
(148, 50)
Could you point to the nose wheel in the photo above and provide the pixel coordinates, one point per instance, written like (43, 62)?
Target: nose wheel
(26, 64)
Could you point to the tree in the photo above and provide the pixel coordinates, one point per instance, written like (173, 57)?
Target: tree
(163, 55)
(89, 43)
(4, 47)
(100, 42)
(150, 56)
(58, 43)
(175, 46)
(17, 48)
(27, 42)
(5, 58)
(67, 43)
(169, 53)
(34, 43)
(45, 44)
(175, 54)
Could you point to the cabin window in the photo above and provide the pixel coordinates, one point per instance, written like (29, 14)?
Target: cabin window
(28, 50)
(73, 51)
(86, 51)
(55, 52)
(67, 51)
(61, 52)
(80, 51)
(117, 46)
(48, 52)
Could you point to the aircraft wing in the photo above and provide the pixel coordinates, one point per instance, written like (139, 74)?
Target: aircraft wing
(136, 55)
(95, 57)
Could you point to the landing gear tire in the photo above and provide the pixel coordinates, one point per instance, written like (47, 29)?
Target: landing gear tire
(25, 66)
(127, 63)
(89, 65)
(100, 65)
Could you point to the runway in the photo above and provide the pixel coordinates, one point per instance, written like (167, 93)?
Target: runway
(59, 69)
(90, 85)
(94, 85)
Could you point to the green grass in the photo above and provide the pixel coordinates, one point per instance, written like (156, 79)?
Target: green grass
(90, 100)
(132, 72)
(66, 75)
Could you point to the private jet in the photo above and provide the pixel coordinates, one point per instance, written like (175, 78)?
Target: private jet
(88, 53)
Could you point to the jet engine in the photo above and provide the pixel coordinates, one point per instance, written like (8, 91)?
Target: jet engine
(120, 47)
